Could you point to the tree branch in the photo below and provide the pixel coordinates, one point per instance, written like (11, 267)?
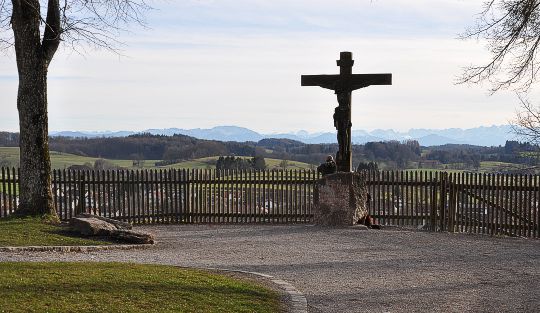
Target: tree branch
(512, 30)
(53, 30)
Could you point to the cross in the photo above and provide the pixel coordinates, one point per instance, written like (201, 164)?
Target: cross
(343, 85)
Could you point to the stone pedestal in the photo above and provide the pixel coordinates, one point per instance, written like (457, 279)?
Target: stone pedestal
(340, 199)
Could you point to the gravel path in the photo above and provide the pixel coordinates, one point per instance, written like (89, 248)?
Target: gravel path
(352, 270)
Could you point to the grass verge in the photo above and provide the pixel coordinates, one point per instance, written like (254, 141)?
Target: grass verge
(119, 287)
(33, 231)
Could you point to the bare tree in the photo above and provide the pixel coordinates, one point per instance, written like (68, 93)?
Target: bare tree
(38, 29)
(512, 31)
(527, 121)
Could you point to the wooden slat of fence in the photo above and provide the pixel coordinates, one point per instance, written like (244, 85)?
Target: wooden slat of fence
(212, 197)
(186, 215)
(527, 207)
(522, 214)
(132, 196)
(521, 219)
(111, 208)
(390, 194)
(239, 197)
(535, 207)
(249, 195)
(490, 208)
(129, 185)
(120, 209)
(394, 197)
(271, 193)
(209, 186)
(497, 202)
(506, 205)
(420, 209)
(10, 192)
(376, 194)
(406, 198)
(141, 209)
(16, 176)
(464, 213)
(528, 197)
(426, 198)
(417, 207)
(113, 196)
(414, 197)
(475, 214)
(514, 206)
(290, 196)
(202, 195)
(465, 217)
(482, 204)
(194, 200)
(474, 226)
(466, 204)
(101, 193)
(494, 208)
(5, 208)
(518, 204)
(307, 195)
(141, 186)
(184, 196)
(99, 189)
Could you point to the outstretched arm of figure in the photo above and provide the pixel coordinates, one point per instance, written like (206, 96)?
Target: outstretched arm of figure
(324, 81)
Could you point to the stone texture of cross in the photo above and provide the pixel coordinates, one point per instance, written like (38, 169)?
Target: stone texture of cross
(343, 85)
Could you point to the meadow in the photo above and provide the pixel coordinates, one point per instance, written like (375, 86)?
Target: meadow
(60, 160)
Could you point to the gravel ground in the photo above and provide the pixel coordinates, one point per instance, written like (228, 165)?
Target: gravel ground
(352, 270)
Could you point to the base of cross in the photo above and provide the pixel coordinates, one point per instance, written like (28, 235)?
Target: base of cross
(344, 162)
(340, 199)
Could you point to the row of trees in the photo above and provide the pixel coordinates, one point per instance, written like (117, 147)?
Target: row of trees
(178, 148)
(238, 163)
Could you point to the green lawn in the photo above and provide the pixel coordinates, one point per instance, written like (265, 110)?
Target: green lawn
(32, 231)
(119, 287)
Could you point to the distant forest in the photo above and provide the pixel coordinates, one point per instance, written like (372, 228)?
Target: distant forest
(393, 154)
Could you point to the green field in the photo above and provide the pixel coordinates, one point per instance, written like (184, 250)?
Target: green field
(61, 160)
(210, 162)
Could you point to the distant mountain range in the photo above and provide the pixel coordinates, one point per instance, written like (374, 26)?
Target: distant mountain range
(479, 136)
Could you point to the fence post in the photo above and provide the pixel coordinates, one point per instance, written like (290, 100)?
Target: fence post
(442, 200)
(435, 190)
(452, 205)
(82, 199)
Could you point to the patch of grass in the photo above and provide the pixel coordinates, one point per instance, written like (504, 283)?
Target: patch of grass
(33, 231)
(118, 287)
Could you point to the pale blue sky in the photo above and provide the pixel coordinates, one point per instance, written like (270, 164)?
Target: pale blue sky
(238, 62)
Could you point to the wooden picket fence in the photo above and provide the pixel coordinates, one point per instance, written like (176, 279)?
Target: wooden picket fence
(495, 204)
(492, 204)
(179, 196)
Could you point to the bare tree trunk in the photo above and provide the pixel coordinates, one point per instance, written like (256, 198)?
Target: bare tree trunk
(33, 58)
(35, 175)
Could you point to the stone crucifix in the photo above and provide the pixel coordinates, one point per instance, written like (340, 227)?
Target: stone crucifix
(343, 85)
